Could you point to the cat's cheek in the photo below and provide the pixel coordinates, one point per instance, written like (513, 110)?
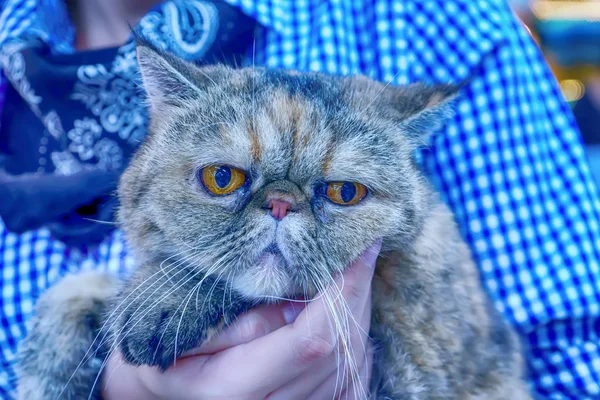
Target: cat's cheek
(328, 213)
(240, 201)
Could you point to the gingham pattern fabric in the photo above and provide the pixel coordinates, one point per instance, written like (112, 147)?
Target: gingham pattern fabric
(510, 164)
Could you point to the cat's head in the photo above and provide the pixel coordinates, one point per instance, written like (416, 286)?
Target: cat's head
(274, 180)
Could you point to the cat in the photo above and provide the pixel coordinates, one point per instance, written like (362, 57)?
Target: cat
(301, 172)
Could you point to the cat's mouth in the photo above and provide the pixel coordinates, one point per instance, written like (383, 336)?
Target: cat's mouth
(273, 248)
(269, 276)
(272, 255)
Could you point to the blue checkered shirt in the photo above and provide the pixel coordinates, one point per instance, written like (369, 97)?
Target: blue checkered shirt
(510, 165)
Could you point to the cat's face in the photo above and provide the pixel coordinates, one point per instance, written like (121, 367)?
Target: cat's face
(272, 180)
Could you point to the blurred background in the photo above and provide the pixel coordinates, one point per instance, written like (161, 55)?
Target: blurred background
(568, 32)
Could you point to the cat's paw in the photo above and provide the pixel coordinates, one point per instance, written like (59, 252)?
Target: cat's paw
(156, 333)
(162, 336)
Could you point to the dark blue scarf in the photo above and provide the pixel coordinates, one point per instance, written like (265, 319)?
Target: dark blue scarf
(71, 120)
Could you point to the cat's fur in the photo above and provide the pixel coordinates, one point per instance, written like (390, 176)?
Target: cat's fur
(437, 334)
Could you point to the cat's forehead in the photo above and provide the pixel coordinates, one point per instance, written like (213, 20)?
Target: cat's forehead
(273, 132)
(298, 128)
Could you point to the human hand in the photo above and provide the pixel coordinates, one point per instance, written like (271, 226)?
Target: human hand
(282, 351)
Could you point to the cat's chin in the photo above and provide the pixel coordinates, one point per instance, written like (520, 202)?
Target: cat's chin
(267, 280)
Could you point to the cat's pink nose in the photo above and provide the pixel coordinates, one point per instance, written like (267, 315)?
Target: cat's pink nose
(279, 208)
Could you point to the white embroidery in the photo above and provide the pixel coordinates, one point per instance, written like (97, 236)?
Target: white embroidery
(109, 155)
(114, 96)
(126, 62)
(53, 124)
(187, 28)
(84, 142)
(83, 137)
(65, 163)
(153, 29)
(194, 25)
(13, 65)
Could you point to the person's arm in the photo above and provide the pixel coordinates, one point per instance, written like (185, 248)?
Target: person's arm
(512, 167)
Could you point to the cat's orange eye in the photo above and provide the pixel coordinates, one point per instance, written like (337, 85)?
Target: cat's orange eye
(221, 179)
(345, 193)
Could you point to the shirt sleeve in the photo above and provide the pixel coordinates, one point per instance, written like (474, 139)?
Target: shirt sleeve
(512, 167)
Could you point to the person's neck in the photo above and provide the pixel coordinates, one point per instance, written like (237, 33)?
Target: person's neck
(106, 23)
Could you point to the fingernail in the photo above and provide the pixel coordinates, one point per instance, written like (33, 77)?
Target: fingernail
(291, 312)
(370, 255)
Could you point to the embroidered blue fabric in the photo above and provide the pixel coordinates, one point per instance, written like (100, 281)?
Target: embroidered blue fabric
(73, 119)
(510, 164)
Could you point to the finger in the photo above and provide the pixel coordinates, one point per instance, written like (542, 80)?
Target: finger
(351, 282)
(292, 349)
(352, 364)
(361, 391)
(341, 387)
(172, 384)
(191, 368)
(333, 369)
(302, 386)
(357, 392)
(255, 323)
(250, 326)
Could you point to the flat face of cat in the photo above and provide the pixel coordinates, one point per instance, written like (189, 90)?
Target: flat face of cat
(273, 180)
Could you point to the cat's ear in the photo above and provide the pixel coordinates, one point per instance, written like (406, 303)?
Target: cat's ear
(168, 80)
(423, 109)
(418, 109)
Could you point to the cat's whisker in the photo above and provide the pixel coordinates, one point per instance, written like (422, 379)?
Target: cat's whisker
(185, 300)
(322, 287)
(344, 335)
(190, 293)
(219, 262)
(100, 222)
(341, 315)
(383, 89)
(168, 259)
(211, 290)
(288, 299)
(112, 373)
(253, 85)
(226, 286)
(114, 348)
(115, 345)
(350, 317)
(103, 327)
(185, 307)
(173, 267)
(207, 272)
(358, 326)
